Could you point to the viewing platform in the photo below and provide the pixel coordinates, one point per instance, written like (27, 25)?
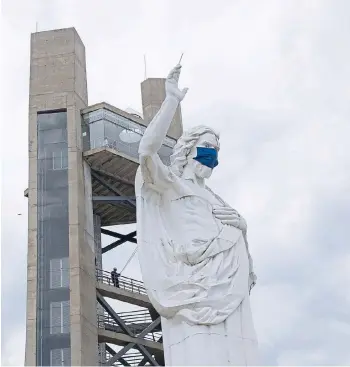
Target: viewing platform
(111, 139)
(127, 290)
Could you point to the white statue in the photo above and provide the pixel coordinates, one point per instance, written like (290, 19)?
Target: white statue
(193, 248)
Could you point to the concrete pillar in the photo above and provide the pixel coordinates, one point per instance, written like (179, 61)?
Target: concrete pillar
(58, 83)
(153, 95)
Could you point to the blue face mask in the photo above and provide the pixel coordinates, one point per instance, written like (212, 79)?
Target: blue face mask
(207, 156)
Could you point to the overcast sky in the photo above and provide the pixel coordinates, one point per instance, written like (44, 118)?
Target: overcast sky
(274, 78)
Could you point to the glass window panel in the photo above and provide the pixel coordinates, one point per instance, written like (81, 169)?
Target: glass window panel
(59, 273)
(55, 273)
(56, 357)
(44, 153)
(96, 133)
(56, 187)
(54, 136)
(59, 317)
(111, 131)
(59, 160)
(47, 149)
(57, 196)
(53, 212)
(65, 272)
(55, 317)
(60, 357)
(48, 121)
(56, 160)
(65, 317)
(64, 161)
(66, 357)
(65, 263)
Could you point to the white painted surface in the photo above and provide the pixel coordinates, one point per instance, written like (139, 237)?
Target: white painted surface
(129, 136)
(193, 250)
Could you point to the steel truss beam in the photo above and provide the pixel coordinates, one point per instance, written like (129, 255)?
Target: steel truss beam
(112, 199)
(116, 235)
(144, 360)
(112, 313)
(110, 187)
(148, 329)
(121, 359)
(125, 328)
(115, 177)
(123, 238)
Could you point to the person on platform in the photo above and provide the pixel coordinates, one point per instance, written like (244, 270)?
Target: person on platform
(115, 277)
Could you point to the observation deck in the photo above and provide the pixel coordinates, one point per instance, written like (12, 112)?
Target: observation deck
(128, 290)
(111, 139)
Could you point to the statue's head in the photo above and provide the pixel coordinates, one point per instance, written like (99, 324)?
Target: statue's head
(196, 150)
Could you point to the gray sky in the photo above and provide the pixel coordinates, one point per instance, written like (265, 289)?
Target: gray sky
(274, 78)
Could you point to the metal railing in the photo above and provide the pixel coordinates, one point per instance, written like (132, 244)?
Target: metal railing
(107, 116)
(128, 284)
(133, 358)
(120, 146)
(137, 316)
(117, 144)
(136, 324)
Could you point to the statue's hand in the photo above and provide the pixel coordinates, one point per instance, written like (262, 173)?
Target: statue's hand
(171, 84)
(230, 217)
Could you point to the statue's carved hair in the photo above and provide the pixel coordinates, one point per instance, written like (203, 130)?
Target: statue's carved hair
(184, 145)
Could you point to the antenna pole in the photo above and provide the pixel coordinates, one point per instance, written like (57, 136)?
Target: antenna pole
(180, 58)
(144, 60)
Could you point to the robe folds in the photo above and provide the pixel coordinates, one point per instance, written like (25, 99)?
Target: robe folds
(195, 269)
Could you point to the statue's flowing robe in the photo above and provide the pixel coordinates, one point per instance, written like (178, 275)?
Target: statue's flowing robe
(196, 270)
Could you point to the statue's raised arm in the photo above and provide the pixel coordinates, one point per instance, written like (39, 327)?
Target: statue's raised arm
(157, 129)
(154, 173)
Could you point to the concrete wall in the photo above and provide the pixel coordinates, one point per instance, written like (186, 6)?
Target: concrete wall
(153, 95)
(98, 257)
(57, 81)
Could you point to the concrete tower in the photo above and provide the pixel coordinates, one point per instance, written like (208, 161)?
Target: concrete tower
(61, 269)
(82, 165)
(153, 95)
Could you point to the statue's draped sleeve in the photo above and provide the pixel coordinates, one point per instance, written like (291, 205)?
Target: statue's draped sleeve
(154, 173)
